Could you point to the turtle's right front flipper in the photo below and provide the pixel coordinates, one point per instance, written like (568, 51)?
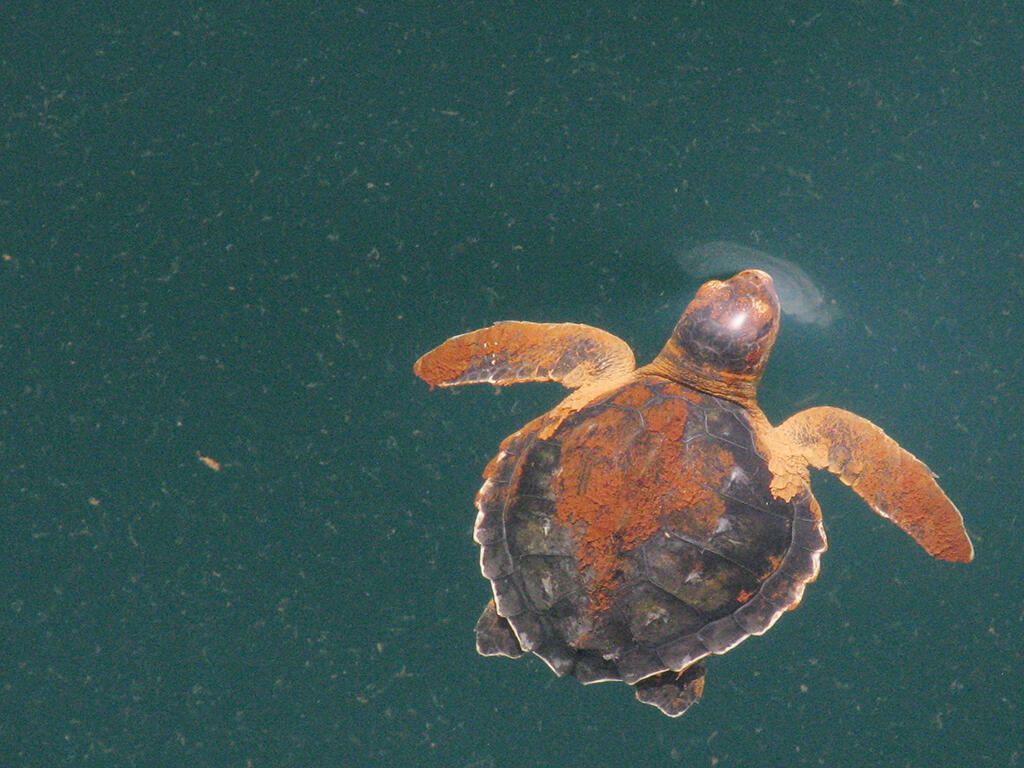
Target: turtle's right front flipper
(895, 483)
(514, 352)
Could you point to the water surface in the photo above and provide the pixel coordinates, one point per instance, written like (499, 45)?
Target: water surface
(227, 232)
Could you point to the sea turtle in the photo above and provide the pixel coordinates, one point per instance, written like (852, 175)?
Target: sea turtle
(655, 516)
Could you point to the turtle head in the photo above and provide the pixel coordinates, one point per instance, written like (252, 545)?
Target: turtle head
(722, 342)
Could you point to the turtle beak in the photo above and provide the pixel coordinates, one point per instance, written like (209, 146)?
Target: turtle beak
(755, 282)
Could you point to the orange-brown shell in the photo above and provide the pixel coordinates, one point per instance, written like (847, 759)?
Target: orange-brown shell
(642, 534)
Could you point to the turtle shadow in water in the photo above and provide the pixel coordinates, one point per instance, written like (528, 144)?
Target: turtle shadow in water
(799, 295)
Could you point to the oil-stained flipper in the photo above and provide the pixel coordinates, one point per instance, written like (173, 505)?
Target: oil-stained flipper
(889, 478)
(514, 351)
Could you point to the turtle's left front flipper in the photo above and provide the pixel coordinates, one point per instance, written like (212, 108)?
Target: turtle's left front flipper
(891, 480)
(513, 352)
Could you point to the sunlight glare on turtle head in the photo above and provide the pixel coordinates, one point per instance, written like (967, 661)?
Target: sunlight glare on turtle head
(737, 321)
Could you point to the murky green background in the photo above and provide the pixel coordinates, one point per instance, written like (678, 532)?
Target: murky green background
(228, 230)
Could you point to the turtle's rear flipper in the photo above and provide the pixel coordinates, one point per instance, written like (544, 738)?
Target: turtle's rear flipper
(494, 635)
(514, 352)
(672, 692)
(891, 480)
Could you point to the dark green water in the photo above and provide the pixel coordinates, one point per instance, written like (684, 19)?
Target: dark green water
(229, 232)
